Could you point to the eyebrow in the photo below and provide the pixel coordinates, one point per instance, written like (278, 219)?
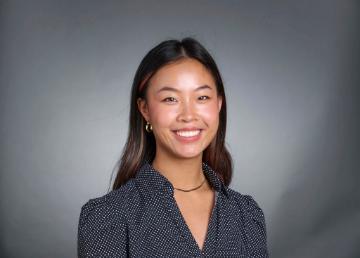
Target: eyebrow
(168, 88)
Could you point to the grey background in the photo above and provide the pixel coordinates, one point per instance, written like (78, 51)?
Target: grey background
(291, 72)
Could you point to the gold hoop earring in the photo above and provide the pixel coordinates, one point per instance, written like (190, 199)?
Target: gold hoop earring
(148, 127)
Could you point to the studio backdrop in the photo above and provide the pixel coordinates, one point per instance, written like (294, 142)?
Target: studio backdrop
(291, 75)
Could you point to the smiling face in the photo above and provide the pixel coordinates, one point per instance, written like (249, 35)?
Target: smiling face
(183, 106)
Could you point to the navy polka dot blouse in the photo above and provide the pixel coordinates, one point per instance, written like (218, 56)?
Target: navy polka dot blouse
(142, 219)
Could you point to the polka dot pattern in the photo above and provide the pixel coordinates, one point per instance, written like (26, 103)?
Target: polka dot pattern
(142, 219)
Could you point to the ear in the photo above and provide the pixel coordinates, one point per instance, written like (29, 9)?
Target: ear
(143, 108)
(219, 103)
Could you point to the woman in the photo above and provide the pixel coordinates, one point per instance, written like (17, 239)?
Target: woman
(170, 197)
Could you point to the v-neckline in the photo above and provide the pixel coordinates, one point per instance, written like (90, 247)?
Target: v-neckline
(185, 230)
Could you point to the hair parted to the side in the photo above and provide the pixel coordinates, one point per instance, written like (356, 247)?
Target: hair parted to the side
(141, 146)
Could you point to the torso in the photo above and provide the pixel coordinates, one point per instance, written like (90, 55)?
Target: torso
(196, 209)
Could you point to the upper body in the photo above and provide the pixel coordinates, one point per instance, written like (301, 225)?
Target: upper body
(142, 219)
(177, 125)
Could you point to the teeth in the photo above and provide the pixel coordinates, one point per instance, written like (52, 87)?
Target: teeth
(188, 133)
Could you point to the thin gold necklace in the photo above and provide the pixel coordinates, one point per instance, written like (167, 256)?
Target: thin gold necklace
(192, 189)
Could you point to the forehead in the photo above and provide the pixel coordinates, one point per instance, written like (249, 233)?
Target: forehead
(184, 74)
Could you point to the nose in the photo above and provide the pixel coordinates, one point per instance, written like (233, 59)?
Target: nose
(187, 112)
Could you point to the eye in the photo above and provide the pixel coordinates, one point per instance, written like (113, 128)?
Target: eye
(204, 97)
(169, 99)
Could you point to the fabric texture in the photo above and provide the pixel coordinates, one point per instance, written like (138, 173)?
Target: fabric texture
(142, 219)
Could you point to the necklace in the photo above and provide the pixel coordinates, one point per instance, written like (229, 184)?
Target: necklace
(192, 189)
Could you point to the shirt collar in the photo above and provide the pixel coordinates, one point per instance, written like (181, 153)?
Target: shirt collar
(152, 181)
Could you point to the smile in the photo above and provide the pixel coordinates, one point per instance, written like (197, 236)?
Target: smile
(188, 133)
(188, 136)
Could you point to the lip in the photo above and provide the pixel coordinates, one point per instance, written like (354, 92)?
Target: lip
(188, 139)
(188, 129)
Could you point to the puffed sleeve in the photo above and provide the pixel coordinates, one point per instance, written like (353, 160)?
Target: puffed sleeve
(102, 231)
(255, 228)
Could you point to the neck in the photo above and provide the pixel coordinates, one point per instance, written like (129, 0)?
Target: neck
(182, 173)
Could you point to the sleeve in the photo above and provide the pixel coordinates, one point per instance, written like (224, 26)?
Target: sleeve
(255, 228)
(102, 232)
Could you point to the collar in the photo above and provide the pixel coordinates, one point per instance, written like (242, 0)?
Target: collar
(152, 181)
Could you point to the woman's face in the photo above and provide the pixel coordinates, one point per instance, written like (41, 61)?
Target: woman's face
(183, 108)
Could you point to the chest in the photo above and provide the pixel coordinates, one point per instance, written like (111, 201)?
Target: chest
(174, 227)
(196, 212)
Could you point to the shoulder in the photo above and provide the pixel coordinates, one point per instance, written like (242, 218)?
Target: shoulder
(103, 222)
(109, 205)
(247, 204)
(253, 220)
(109, 210)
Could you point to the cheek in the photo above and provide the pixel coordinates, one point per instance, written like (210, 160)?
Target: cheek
(210, 114)
(162, 117)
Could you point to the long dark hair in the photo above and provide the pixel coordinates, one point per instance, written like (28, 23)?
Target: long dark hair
(140, 146)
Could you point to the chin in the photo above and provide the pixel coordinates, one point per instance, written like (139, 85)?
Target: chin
(189, 154)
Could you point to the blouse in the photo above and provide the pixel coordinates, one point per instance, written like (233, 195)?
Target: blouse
(142, 219)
